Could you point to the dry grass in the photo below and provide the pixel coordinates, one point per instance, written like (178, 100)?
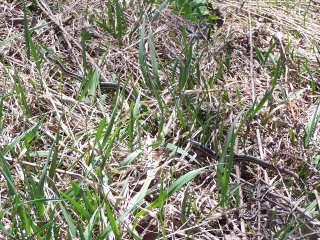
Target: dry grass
(264, 203)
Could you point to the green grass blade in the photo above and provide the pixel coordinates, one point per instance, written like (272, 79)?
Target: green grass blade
(158, 11)
(224, 167)
(40, 188)
(260, 105)
(268, 54)
(99, 131)
(174, 187)
(121, 23)
(254, 109)
(259, 54)
(27, 35)
(77, 206)
(131, 126)
(19, 138)
(179, 183)
(20, 92)
(104, 26)
(70, 223)
(91, 225)
(111, 17)
(1, 115)
(93, 83)
(142, 58)
(25, 221)
(185, 68)
(5, 170)
(310, 127)
(182, 152)
(135, 202)
(153, 58)
(109, 147)
(276, 74)
(44, 171)
(54, 158)
(138, 198)
(113, 223)
(111, 123)
(89, 200)
(130, 158)
(36, 56)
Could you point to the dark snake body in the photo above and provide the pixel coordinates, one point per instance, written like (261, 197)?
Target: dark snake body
(103, 85)
(242, 157)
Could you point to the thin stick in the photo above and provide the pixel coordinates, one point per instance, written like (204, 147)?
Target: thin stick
(30, 164)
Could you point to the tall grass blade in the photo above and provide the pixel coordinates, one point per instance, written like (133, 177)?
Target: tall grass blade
(224, 167)
(154, 60)
(179, 183)
(98, 136)
(143, 66)
(109, 147)
(130, 158)
(70, 223)
(135, 202)
(182, 152)
(36, 55)
(27, 35)
(5, 170)
(20, 92)
(77, 206)
(142, 58)
(185, 68)
(255, 108)
(310, 127)
(113, 223)
(90, 227)
(111, 17)
(1, 114)
(214, 79)
(19, 138)
(174, 187)
(111, 123)
(25, 221)
(158, 11)
(268, 54)
(276, 74)
(121, 22)
(131, 126)
(54, 158)
(40, 188)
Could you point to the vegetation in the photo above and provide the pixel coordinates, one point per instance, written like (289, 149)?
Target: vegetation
(79, 162)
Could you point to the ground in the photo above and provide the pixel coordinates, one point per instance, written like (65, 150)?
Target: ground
(80, 162)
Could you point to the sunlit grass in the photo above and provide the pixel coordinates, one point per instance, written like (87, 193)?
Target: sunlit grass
(99, 165)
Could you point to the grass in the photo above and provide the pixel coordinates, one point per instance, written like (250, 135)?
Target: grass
(80, 163)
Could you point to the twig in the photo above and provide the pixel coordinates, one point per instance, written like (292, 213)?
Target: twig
(30, 164)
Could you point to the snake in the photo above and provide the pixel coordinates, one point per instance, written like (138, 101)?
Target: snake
(243, 157)
(206, 150)
(103, 85)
